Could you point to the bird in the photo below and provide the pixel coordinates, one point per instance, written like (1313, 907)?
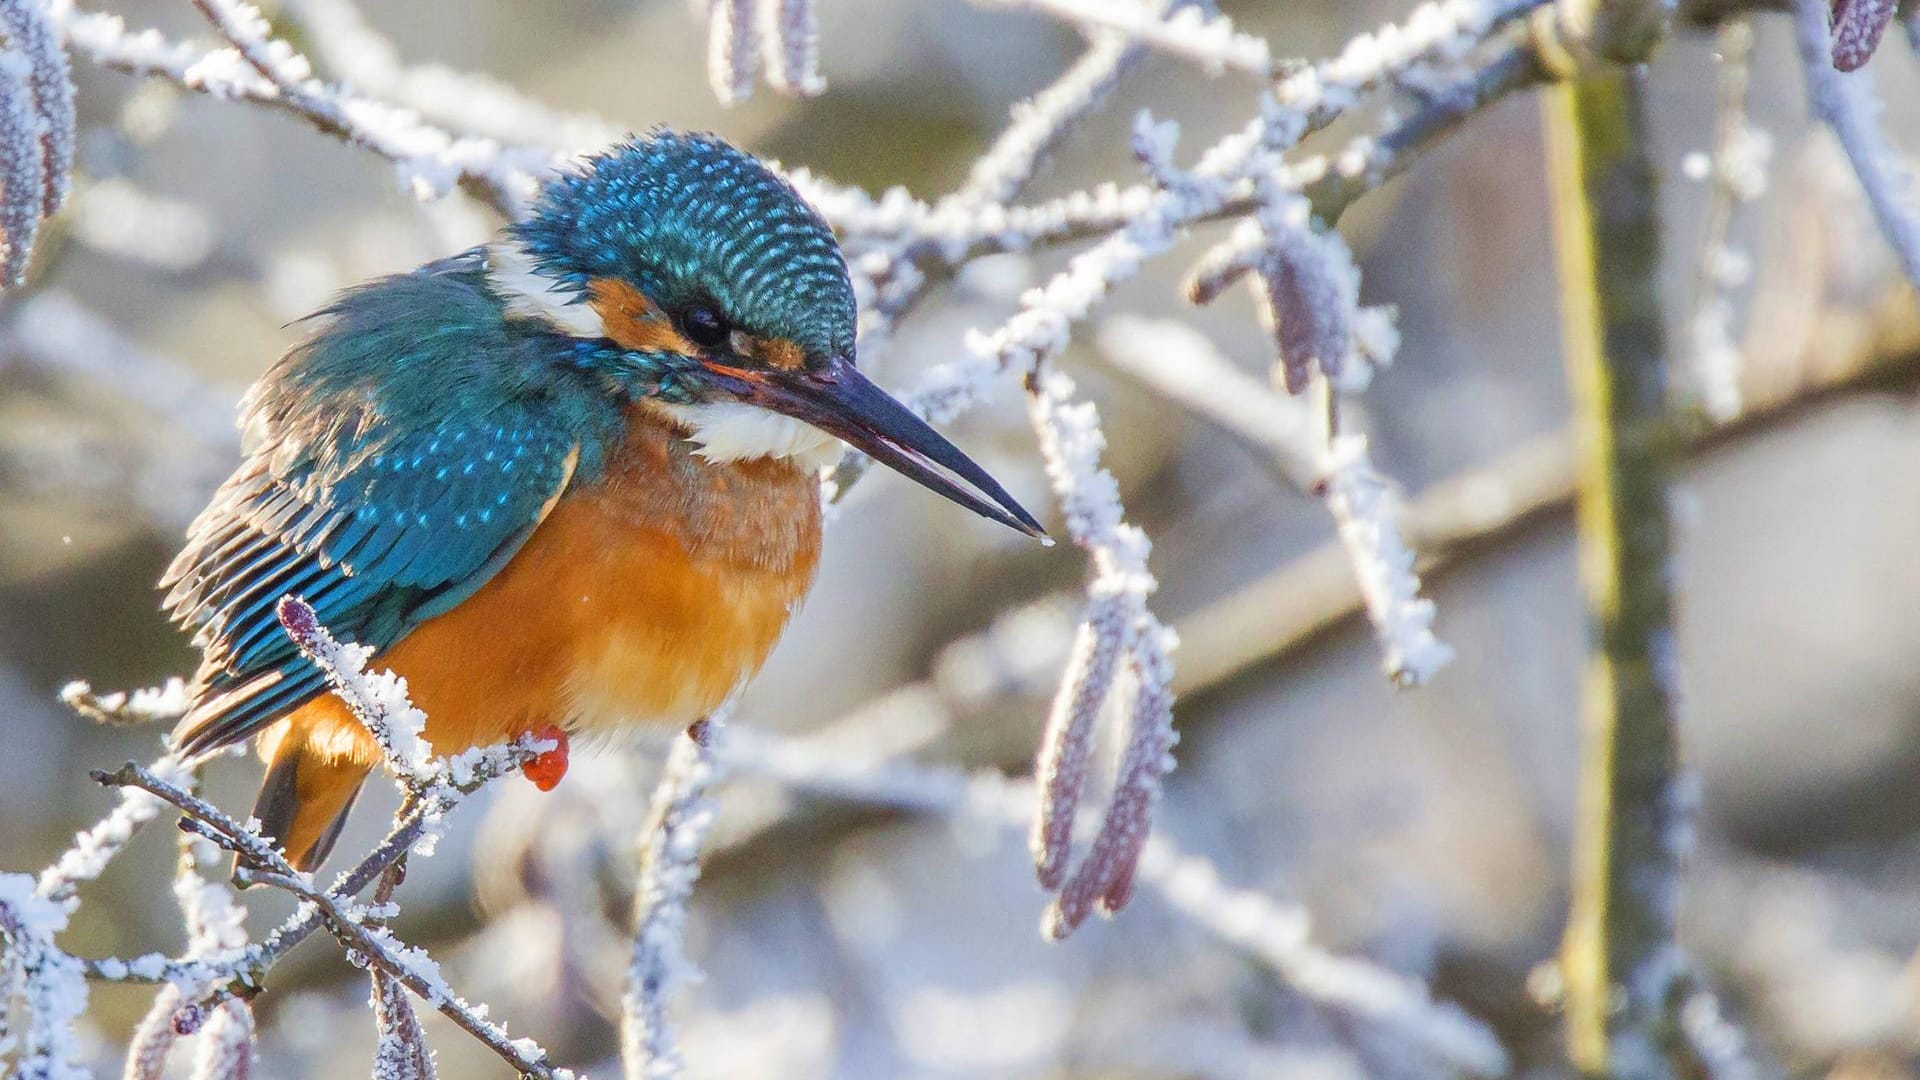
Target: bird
(563, 483)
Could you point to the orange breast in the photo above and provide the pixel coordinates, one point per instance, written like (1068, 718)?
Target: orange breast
(644, 597)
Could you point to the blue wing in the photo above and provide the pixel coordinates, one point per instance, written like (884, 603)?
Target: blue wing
(408, 452)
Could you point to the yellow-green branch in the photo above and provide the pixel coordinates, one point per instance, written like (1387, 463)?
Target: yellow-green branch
(1620, 963)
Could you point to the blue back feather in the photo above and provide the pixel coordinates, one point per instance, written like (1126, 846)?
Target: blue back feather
(412, 443)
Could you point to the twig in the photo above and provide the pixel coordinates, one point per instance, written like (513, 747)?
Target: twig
(94, 848)
(669, 866)
(1848, 107)
(344, 918)
(52, 983)
(263, 71)
(160, 704)
(1620, 960)
(1192, 32)
(413, 969)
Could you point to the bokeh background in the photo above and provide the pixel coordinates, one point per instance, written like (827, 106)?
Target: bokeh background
(1425, 830)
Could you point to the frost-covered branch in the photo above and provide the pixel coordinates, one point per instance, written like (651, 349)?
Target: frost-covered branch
(1368, 515)
(669, 865)
(259, 68)
(205, 989)
(36, 131)
(165, 703)
(1847, 105)
(50, 985)
(354, 924)
(1190, 31)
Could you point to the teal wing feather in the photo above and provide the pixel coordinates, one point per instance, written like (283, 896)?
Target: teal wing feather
(408, 451)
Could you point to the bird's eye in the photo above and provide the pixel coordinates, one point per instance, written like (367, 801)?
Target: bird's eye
(704, 326)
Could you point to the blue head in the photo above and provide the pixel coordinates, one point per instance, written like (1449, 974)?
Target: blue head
(698, 281)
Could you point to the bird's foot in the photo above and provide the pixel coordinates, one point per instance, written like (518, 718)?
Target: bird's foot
(546, 770)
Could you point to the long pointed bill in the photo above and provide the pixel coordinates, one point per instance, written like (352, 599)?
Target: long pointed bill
(838, 399)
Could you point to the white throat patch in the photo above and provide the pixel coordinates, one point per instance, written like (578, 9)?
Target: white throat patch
(533, 295)
(731, 431)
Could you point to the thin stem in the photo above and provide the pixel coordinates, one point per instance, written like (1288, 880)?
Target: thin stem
(1620, 960)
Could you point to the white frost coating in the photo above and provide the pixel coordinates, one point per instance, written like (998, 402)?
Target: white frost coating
(669, 866)
(1367, 513)
(1118, 624)
(147, 705)
(226, 1044)
(429, 160)
(93, 849)
(781, 36)
(1192, 31)
(52, 985)
(533, 295)
(790, 47)
(1441, 31)
(1848, 105)
(378, 699)
(735, 431)
(730, 49)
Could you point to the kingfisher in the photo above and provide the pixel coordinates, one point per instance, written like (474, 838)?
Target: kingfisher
(563, 483)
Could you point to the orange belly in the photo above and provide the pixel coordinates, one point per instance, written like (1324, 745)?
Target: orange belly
(646, 597)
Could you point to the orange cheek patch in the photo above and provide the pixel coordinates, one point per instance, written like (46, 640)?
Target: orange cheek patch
(632, 321)
(781, 353)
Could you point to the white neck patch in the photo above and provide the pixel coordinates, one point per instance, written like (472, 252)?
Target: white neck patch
(732, 431)
(533, 295)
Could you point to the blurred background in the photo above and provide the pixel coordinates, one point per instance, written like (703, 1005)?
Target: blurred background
(1426, 830)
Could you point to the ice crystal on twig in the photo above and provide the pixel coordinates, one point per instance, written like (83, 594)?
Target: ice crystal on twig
(1367, 513)
(49, 983)
(36, 131)
(669, 866)
(160, 704)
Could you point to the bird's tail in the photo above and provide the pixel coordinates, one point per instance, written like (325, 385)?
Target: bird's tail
(310, 784)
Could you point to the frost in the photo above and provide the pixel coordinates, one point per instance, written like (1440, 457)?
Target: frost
(781, 35)
(36, 131)
(1189, 31)
(1367, 514)
(669, 865)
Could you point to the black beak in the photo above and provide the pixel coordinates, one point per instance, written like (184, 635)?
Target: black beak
(836, 398)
